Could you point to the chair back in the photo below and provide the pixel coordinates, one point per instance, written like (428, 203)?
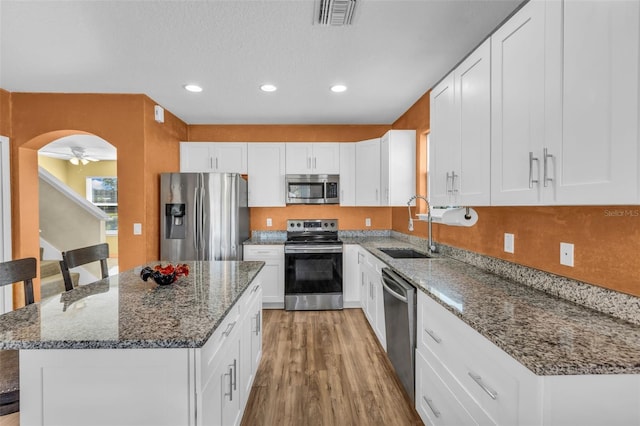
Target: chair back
(81, 256)
(24, 270)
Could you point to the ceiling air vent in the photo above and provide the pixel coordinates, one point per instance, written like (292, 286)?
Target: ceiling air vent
(335, 12)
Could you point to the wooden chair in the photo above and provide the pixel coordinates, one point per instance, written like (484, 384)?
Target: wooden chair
(81, 256)
(14, 271)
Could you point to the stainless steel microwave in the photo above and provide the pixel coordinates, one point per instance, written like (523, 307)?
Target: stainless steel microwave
(312, 189)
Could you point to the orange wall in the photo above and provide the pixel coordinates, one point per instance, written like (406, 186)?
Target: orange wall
(349, 217)
(126, 121)
(605, 243)
(162, 154)
(5, 113)
(606, 246)
(285, 133)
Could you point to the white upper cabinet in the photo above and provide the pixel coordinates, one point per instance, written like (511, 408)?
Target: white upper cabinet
(368, 172)
(397, 167)
(218, 157)
(348, 174)
(266, 169)
(460, 139)
(443, 142)
(518, 107)
(597, 159)
(473, 97)
(313, 158)
(565, 104)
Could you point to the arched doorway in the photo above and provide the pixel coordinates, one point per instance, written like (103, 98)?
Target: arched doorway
(78, 205)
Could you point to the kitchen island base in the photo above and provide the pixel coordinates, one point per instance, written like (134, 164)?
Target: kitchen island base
(107, 387)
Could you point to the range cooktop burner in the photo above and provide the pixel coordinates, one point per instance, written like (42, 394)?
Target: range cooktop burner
(312, 231)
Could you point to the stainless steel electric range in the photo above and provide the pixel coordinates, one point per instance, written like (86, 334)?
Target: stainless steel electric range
(313, 265)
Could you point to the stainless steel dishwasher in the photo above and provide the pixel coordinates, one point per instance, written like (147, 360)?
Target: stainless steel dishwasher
(400, 324)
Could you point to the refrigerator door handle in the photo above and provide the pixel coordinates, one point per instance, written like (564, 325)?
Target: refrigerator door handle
(195, 218)
(201, 224)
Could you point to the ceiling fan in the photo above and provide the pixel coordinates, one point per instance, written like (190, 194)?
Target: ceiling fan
(80, 156)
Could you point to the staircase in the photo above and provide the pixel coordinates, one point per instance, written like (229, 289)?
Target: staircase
(51, 281)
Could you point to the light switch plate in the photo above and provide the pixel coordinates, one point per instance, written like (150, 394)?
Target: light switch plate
(269, 222)
(137, 229)
(566, 254)
(367, 222)
(509, 243)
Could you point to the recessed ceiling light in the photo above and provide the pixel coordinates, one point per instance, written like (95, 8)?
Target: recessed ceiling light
(338, 88)
(193, 88)
(268, 88)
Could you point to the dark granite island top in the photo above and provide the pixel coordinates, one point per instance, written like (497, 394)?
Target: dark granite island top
(123, 311)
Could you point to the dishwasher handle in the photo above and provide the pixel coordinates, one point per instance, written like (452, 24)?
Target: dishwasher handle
(391, 283)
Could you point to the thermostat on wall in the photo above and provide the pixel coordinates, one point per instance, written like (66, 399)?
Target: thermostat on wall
(158, 113)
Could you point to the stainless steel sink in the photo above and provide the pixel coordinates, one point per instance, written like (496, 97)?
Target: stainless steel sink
(404, 253)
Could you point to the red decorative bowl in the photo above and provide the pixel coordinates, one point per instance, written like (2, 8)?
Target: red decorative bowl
(164, 275)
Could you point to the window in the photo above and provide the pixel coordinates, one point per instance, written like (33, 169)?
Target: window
(103, 193)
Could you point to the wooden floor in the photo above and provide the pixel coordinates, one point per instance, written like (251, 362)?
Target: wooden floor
(320, 368)
(325, 368)
(10, 420)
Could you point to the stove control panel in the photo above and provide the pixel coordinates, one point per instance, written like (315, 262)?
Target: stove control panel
(312, 225)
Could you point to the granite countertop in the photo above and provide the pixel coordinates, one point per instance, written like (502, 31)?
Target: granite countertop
(546, 334)
(123, 311)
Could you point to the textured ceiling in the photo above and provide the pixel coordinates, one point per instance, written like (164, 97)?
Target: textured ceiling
(393, 53)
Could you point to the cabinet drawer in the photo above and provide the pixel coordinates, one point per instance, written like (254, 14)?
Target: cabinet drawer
(477, 367)
(437, 330)
(251, 293)
(435, 402)
(226, 331)
(263, 252)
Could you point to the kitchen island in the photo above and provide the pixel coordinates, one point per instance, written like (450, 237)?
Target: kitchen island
(125, 351)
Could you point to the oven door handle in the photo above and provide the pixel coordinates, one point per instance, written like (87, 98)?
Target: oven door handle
(312, 249)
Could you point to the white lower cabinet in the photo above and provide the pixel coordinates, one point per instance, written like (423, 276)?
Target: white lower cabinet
(457, 369)
(371, 294)
(273, 272)
(435, 402)
(351, 276)
(227, 363)
(251, 341)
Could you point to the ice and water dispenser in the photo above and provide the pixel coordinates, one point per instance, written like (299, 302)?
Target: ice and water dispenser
(175, 221)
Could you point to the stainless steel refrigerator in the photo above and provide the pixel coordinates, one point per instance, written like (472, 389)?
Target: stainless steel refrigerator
(203, 216)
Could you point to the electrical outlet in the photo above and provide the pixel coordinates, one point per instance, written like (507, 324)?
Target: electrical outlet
(269, 222)
(367, 222)
(509, 243)
(566, 254)
(137, 229)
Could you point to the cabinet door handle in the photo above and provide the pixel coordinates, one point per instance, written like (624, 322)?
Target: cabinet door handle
(216, 163)
(545, 157)
(453, 182)
(476, 378)
(235, 374)
(230, 374)
(433, 335)
(258, 322)
(229, 328)
(308, 162)
(376, 195)
(531, 179)
(432, 407)
(314, 162)
(255, 288)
